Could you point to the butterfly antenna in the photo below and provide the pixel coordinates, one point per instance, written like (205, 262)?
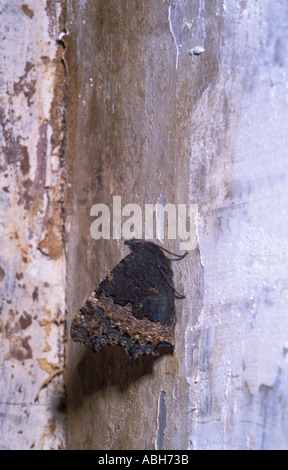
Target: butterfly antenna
(178, 257)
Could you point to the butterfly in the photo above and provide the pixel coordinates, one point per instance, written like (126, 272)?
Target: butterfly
(134, 305)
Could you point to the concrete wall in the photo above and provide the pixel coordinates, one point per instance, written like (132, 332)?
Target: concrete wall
(158, 124)
(129, 112)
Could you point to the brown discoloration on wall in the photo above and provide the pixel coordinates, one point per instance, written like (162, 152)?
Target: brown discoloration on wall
(2, 273)
(28, 11)
(53, 370)
(51, 13)
(40, 174)
(72, 90)
(48, 322)
(11, 145)
(52, 244)
(131, 129)
(35, 294)
(20, 347)
(25, 320)
(28, 88)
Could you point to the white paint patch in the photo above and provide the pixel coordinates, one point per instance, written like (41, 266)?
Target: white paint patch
(174, 36)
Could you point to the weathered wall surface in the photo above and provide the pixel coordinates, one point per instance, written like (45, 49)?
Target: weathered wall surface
(158, 124)
(147, 121)
(240, 395)
(32, 263)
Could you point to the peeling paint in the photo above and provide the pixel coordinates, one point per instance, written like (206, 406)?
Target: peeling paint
(32, 219)
(53, 370)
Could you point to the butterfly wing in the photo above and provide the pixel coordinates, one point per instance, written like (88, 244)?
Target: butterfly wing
(132, 307)
(143, 280)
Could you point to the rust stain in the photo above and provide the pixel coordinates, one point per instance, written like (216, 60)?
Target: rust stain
(52, 244)
(52, 369)
(27, 10)
(47, 321)
(22, 250)
(47, 347)
(25, 259)
(49, 367)
(49, 430)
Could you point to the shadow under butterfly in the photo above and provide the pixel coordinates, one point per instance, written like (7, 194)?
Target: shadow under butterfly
(134, 306)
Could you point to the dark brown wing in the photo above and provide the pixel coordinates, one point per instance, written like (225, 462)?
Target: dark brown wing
(143, 279)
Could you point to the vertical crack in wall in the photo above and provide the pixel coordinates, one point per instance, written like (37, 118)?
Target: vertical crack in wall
(173, 34)
(161, 421)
